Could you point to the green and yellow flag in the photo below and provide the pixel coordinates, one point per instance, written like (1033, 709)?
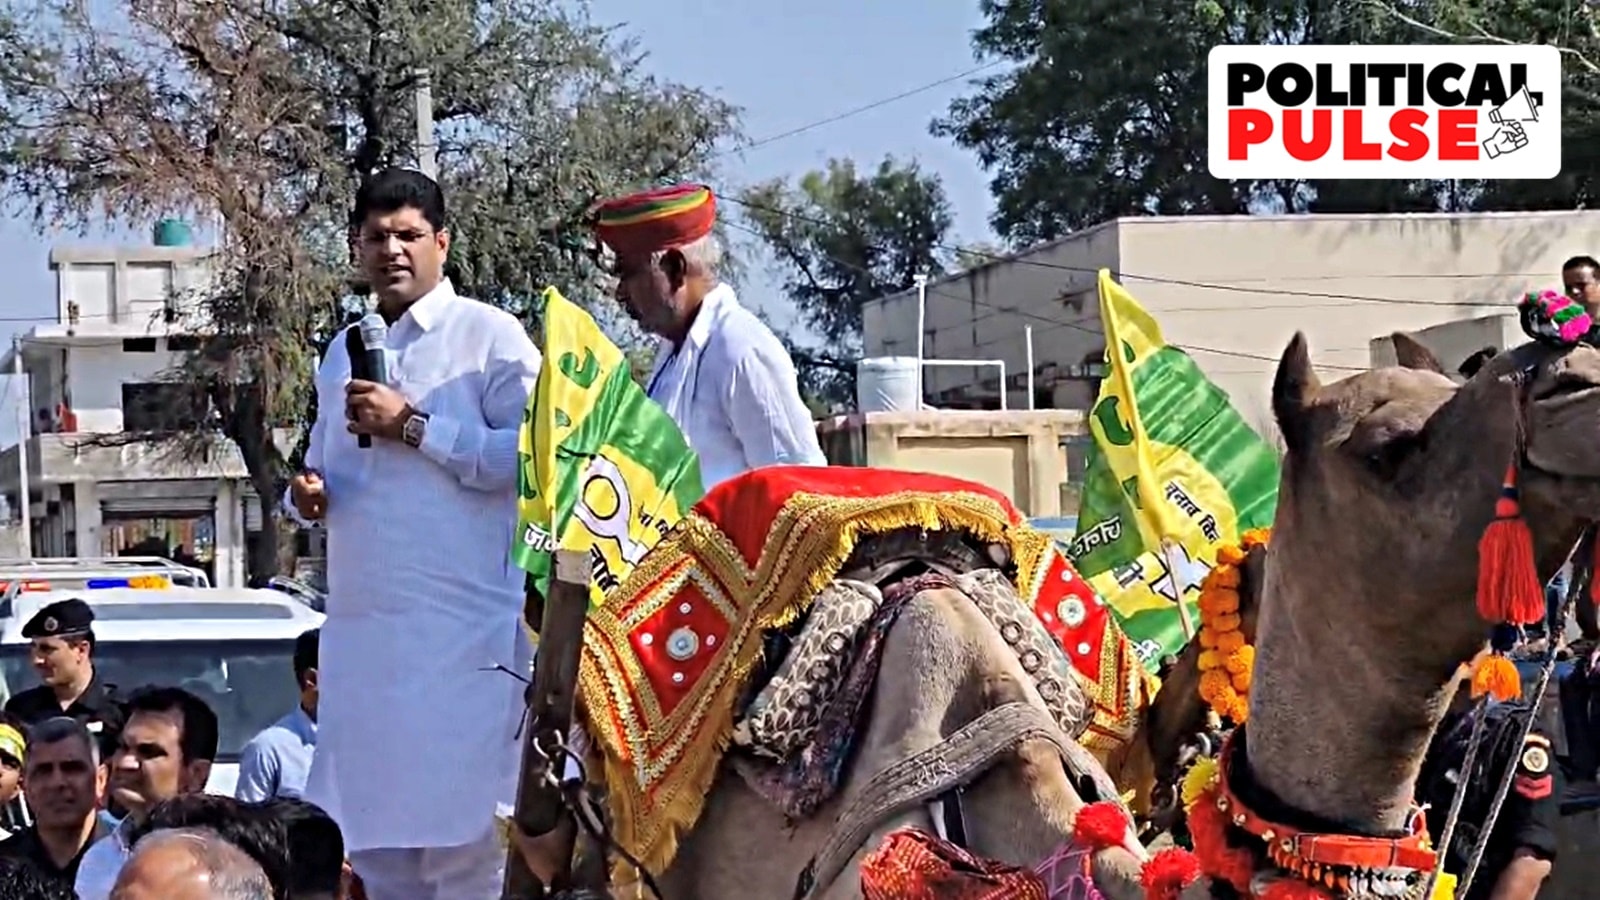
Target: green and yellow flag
(603, 468)
(1173, 473)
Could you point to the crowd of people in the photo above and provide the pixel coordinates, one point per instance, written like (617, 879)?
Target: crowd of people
(103, 791)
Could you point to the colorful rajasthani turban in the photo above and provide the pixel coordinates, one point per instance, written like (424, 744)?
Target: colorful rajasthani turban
(657, 220)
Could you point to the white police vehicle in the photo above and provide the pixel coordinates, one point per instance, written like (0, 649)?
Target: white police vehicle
(77, 572)
(232, 647)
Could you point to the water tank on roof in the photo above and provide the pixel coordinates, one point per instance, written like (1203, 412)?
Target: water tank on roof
(887, 384)
(173, 233)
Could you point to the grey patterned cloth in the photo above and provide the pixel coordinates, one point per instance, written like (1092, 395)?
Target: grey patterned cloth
(785, 714)
(1058, 682)
(793, 764)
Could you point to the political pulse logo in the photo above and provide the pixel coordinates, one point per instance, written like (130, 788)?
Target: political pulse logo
(1351, 111)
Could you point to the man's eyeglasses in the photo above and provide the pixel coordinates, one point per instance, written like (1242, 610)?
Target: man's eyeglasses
(381, 238)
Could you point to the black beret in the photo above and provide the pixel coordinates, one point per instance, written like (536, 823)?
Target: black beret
(64, 618)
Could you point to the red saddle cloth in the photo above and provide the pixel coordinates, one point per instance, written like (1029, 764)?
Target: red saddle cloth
(911, 864)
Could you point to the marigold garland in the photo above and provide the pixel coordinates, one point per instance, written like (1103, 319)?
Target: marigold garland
(1226, 659)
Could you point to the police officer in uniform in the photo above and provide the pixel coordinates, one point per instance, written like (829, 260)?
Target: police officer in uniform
(62, 638)
(1522, 847)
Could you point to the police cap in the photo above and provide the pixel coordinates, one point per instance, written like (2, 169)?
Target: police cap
(64, 618)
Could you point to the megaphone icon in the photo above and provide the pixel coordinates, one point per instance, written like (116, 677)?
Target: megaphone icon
(1520, 108)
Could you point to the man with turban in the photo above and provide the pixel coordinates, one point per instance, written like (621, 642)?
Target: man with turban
(721, 373)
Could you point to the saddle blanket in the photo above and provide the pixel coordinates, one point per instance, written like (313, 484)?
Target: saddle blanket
(670, 650)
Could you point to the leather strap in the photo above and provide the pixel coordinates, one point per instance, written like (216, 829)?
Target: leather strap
(951, 763)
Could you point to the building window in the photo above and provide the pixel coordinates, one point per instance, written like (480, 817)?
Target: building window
(162, 406)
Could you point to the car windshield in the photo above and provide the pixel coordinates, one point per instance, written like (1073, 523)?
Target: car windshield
(250, 683)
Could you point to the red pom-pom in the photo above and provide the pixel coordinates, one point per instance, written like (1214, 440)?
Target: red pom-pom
(1101, 825)
(1293, 889)
(1167, 873)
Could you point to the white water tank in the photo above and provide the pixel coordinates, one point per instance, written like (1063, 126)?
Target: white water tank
(887, 384)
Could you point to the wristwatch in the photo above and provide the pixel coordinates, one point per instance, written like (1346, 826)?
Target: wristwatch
(415, 428)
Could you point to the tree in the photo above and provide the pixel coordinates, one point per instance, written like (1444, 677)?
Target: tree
(267, 116)
(1104, 112)
(842, 238)
(1570, 26)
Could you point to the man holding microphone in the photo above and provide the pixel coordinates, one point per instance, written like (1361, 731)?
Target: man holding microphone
(416, 732)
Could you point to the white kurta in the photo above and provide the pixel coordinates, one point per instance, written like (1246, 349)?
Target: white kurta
(415, 743)
(732, 389)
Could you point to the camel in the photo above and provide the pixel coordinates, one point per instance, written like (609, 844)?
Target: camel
(944, 665)
(1362, 607)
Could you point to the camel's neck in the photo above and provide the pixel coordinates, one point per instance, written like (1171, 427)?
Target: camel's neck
(1339, 721)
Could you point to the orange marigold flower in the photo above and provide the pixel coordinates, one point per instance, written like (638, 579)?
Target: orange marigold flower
(1218, 602)
(1237, 709)
(1230, 555)
(1241, 658)
(1241, 681)
(1230, 642)
(1213, 684)
(1226, 622)
(1210, 659)
(1208, 638)
(1223, 576)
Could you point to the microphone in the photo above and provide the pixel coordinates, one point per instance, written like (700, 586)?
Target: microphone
(374, 366)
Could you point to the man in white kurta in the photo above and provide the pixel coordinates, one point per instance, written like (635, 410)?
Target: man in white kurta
(416, 734)
(720, 373)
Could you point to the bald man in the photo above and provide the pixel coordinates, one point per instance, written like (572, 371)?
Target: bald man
(190, 864)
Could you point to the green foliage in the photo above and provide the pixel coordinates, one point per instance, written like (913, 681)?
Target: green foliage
(842, 238)
(267, 115)
(1104, 112)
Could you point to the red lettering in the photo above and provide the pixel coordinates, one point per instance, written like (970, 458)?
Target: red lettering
(1294, 139)
(1247, 127)
(1354, 147)
(1412, 141)
(1458, 134)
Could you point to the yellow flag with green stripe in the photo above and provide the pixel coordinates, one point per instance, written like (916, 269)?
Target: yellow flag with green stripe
(1174, 473)
(604, 470)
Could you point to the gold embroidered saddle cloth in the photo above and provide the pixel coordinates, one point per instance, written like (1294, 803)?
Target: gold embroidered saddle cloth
(669, 652)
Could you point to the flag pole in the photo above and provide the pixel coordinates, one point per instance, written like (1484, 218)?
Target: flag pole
(1169, 549)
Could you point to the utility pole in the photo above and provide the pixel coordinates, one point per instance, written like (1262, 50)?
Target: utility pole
(23, 432)
(427, 150)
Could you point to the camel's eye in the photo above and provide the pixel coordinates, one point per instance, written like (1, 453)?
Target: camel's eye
(1386, 459)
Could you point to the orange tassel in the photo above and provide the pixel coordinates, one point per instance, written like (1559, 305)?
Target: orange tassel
(1497, 676)
(1508, 579)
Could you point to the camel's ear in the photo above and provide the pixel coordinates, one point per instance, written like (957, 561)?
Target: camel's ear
(1412, 355)
(1293, 389)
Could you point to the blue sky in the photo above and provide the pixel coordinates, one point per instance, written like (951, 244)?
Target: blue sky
(786, 68)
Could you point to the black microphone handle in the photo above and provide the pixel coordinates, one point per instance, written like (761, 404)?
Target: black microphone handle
(374, 367)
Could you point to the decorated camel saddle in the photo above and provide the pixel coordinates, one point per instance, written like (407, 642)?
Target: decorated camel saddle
(751, 639)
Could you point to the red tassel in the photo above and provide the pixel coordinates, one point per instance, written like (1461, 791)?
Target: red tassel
(1508, 580)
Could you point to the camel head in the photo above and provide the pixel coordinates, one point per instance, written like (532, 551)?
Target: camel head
(1389, 478)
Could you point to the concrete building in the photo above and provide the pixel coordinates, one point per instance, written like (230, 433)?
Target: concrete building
(1231, 290)
(98, 371)
(1453, 342)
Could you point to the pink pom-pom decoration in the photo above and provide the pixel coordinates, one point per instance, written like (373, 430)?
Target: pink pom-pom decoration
(1551, 316)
